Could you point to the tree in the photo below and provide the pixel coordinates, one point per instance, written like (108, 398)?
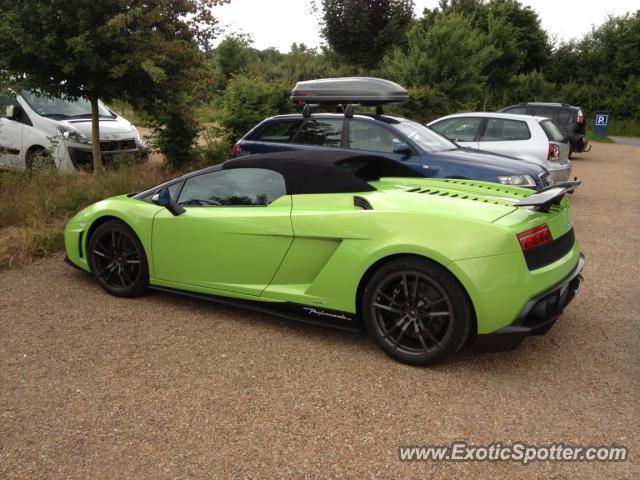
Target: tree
(448, 56)
(233, 56)
(361, 31)
(528, 40)
(140, 50)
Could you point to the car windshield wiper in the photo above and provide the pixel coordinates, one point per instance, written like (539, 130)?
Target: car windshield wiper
(88, 115)
(54, 115)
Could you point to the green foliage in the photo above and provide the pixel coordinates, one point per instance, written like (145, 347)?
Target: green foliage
(513, 28)
(232, 57)
(425, 104)
(602, 71)
(216, 145)
(247, 101)
(361, 31)
(448, 55)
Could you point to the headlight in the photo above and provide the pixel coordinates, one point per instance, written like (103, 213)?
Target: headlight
(68, 133)
(520, 180)
(137, 137)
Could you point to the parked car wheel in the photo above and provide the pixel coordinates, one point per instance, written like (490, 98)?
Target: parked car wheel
(417, 311)
(39, 160)
(117, 260)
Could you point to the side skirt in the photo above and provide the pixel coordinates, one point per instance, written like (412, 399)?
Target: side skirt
(292, 311)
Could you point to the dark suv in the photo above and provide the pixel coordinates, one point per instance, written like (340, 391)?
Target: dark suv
(570, 119)
(396, 138)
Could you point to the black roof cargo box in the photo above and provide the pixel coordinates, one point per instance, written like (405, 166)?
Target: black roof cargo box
(362, 90)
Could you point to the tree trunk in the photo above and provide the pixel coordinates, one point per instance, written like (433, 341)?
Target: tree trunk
(486, 99)
(95, 137)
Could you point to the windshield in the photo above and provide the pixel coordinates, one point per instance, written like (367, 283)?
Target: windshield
(426, 138)
(61, 107)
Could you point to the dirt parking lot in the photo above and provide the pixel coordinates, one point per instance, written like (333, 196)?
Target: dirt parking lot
(92, 386)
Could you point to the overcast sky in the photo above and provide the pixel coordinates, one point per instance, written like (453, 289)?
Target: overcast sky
(279, 23)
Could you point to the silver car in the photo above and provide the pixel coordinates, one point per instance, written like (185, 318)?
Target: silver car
(534, 139)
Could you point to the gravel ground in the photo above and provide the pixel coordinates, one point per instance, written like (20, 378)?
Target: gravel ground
(166, 387)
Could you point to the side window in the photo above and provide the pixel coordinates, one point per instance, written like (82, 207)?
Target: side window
(563, 116)
(323, 133)
(543, 112)
(517, 110)
(5, 102)
(461, 129)
(233, 187)
(365, 135)
(280, 131)
(499, 130)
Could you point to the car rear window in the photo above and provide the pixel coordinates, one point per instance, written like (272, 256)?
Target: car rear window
(552, 131)
(324, 133)
(280, 132)
(500, 129)
(517, 110)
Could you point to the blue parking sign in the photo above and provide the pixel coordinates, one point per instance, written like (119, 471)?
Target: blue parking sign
(601, 125)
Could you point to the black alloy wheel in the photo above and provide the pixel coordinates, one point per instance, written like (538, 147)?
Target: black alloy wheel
(117, 259)
(417, 311)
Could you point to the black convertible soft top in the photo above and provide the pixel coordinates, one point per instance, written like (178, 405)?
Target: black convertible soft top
(306, 172)
(325, 171)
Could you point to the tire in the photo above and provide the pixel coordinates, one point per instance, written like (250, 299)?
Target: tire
(571, 152)
(38, 160)
(117, 260)
(416, 311)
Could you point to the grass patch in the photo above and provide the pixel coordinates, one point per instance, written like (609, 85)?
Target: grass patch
(36, 208)
(592, 137)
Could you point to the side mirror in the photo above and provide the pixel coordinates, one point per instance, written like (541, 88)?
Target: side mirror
(403, 149)
(10, 112)
(163, 199)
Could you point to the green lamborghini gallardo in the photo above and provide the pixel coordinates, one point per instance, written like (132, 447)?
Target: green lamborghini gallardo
(349, 240)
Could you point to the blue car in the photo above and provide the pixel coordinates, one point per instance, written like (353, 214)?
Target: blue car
(396, 138)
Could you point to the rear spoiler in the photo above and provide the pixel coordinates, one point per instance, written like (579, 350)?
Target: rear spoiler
(544, 199)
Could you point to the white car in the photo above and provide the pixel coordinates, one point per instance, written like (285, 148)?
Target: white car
(32, 124)
(534, 139)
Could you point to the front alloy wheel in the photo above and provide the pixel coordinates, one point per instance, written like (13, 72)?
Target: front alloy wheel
(118, 260)
(416, 311)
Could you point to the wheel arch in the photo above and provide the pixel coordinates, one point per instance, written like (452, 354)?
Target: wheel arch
(364, 280)
(107, 218)
(35, 147)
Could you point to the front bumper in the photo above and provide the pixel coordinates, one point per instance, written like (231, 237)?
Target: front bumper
(537, 317)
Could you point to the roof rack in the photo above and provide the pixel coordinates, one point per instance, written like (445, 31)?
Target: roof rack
(347, 93)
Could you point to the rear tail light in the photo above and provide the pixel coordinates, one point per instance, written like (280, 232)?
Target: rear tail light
(235, 150)
(554, 152)
(580, 118)
(535, 237)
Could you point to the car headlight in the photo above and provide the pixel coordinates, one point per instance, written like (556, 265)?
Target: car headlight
(68, 133)
(136, 136)
(520, 180)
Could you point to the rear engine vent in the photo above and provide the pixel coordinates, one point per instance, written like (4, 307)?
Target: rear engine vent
(447, 193)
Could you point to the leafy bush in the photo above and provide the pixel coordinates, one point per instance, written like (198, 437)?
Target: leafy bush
(248, 101)
(215, 146)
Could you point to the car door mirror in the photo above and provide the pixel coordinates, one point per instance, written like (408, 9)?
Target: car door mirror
(402, 149)
(10, 112)
(163, 199)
